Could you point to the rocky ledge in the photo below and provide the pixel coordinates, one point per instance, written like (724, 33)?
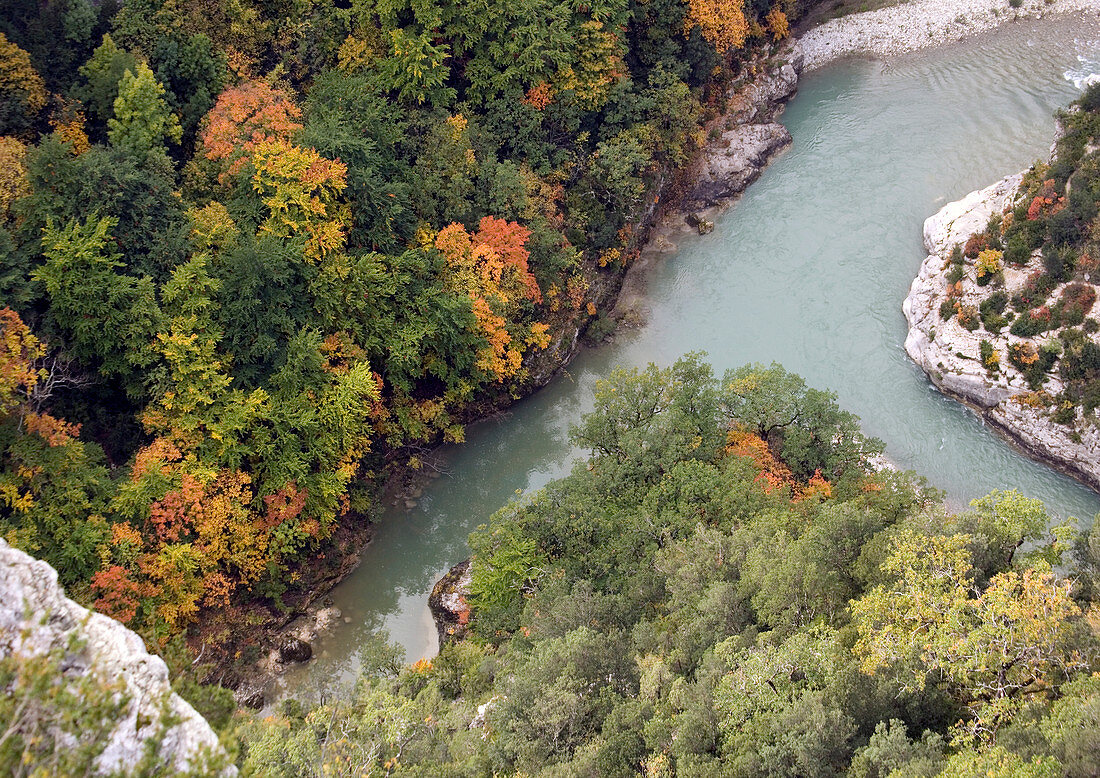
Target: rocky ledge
(745, 138)
(448, 603)
(38, 620)
(950, 354)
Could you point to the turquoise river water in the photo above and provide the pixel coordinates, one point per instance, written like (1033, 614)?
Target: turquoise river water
(809, 269)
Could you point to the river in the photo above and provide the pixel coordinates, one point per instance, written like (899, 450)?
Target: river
(809, 269)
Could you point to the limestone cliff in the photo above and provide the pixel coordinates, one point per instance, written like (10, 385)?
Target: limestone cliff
(37, 619)
(951, 357)
(746, 137)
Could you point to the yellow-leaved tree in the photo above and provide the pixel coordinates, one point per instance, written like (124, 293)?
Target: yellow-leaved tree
(722, 23)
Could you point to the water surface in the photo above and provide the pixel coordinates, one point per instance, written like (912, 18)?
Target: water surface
(809, 269)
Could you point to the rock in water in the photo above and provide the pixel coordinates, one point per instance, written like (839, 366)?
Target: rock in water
(37, 619)
(295, 649)
(448, 603)
(951, 354)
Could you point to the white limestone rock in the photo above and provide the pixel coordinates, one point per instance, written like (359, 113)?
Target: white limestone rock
(36, 617)
(950, 354)
(919, 24)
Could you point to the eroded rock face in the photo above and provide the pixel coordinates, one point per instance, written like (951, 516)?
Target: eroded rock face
(730, 166)
(448, 603)
(950, 354)
(36, 617)
(747, 135)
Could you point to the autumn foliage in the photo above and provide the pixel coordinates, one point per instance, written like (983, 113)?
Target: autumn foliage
(778, 25)
(243, 118)
(301, 190)
(490, 267)
(722, 24)
(773, 474)
(13, 174)
(22, 90)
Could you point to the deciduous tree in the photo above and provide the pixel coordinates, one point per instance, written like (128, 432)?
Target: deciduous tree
(142, 120)
(22, 91)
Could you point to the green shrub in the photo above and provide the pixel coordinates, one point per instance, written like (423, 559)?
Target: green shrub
(1066, 414)
(992, 310)
(1059, 261)
(1031, 323)
(1017, 252)
(1074, 303)
(1035, 291)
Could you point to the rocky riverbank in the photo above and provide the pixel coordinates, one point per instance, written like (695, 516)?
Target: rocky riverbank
(741, 143)
(951, 355)
(920, 24)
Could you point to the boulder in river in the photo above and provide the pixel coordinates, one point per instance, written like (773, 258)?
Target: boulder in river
(294, 649)
(448, 603)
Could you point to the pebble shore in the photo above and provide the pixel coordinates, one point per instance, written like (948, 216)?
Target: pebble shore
(919, 24)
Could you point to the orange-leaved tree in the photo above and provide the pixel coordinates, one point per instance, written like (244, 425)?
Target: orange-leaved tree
(722, 24)
(244, 117)
(490, 267)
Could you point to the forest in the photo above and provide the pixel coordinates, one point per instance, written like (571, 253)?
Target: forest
(259, 256)
(728, 585)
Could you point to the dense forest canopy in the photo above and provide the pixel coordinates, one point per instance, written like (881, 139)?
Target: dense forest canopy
(728, 586)
(256, 252)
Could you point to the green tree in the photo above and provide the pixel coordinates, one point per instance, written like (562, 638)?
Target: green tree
(349, 120)
(142, 120)
(102, 74)
(193, 72)
(150, 227)
(996, 648)
(647, 420)
(105, 319)
(804, 426)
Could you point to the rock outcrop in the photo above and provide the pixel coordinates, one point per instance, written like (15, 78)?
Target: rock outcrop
(448, 603)
(37, 619)
(950, 354)
(747, 135)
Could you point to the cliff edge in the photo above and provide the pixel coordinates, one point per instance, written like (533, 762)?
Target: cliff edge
(951, 355)
(37, 620)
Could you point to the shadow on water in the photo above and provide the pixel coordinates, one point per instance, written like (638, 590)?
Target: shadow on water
(809, 269)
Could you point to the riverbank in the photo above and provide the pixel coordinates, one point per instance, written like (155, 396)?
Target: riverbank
(427, 517)
(920, 24)
(952, 355)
